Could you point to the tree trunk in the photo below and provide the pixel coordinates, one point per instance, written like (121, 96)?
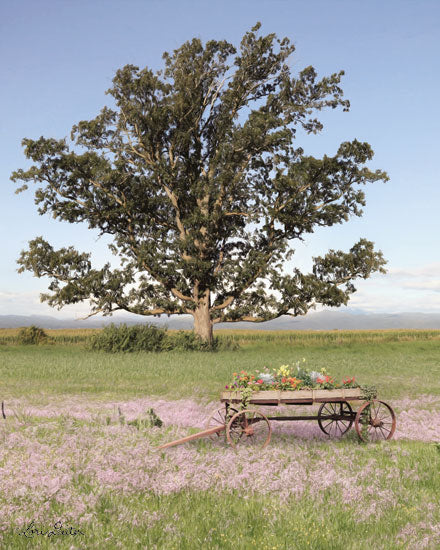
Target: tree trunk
(202, 320)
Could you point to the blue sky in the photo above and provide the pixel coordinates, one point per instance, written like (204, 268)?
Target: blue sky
(58, 58)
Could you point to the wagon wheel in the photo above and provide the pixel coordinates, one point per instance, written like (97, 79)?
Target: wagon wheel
(375, 420)
(335, 418)
(250, 428)
(218, 418)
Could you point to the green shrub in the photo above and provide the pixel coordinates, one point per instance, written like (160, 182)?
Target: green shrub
(32, 335)
(123, 338)
(187, 341)
(150, 420)
(147, 337)
(226, 342)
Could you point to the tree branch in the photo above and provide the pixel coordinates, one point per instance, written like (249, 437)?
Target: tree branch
(224, 305)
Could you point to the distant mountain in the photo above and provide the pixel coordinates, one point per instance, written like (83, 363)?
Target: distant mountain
(346, 320)
(46, 321)
(323, 320)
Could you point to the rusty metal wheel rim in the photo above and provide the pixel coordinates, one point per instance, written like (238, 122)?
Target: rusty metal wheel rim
(218, 418)
(375, 421)
(250, 428)
(328, 421)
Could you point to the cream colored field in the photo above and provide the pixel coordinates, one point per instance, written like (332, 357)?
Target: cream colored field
(299, 337)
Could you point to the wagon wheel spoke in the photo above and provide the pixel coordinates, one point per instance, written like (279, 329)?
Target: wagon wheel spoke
(376, 408)
(335, 418)
(329, 423)
(371, 432)
(345, 424)
(342, 426)
(218, 418)
(385, 416)
(235, 433)
(250, 428)
(384, 434)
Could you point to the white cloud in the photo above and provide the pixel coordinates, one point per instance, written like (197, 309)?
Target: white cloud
(395, 301)
(28, 303)
(400, 290)
(424, 285)
(429, 270)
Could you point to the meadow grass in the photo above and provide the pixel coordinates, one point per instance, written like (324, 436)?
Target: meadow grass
(67, 455)
(191, 520)
(407, 367)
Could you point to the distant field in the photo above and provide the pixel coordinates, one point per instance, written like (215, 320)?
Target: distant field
(73, 448)
(299, 337)
(60, 336)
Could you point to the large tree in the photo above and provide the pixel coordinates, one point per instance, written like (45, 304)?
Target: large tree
(196, 175)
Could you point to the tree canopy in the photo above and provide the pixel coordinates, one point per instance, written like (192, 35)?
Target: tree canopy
(196, 173)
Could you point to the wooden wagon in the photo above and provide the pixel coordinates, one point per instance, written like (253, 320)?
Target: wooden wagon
(372, 419)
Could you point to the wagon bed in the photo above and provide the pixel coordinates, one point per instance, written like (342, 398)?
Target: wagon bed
(297, 397)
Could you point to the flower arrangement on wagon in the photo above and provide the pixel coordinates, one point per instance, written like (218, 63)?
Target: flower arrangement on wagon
(288, 378)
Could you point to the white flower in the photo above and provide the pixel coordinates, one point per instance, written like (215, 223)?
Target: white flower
(314, 375)
(267, 378)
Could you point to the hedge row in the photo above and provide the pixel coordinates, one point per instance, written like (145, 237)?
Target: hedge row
(125, 338)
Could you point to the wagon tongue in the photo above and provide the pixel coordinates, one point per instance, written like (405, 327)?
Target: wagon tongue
(192, 437)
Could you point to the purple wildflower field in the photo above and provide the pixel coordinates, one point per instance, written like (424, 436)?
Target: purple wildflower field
(40, 462)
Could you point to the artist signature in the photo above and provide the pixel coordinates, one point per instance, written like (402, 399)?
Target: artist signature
(31, 531)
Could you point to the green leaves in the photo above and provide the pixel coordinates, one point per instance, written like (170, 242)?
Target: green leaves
(341, 267)
(42, 259)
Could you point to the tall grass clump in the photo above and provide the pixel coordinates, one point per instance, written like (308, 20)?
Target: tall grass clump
(184, 340)
(32, 335)
(115, 339)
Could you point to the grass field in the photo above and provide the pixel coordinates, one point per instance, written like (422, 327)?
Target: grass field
(74, 449)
